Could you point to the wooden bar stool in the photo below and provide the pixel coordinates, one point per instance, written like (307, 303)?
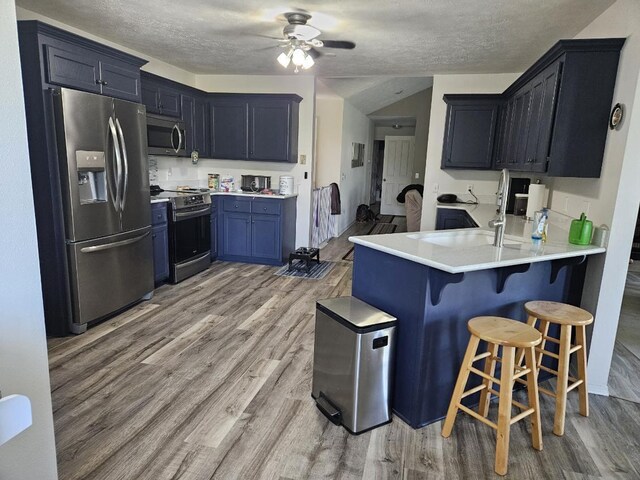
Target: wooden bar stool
(567, 317)
(511, 335)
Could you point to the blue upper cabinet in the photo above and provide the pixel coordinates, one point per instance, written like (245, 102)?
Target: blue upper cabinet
(201, 129)
(261, 127)
(270, 130)
(160, 95)
(552, 119)
(187, 107)
(229, 127)
(470, 131)
(71, 61)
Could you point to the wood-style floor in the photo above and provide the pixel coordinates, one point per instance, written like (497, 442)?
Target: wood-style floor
(211, 379)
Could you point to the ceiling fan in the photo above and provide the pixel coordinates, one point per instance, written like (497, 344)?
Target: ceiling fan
(301, 43)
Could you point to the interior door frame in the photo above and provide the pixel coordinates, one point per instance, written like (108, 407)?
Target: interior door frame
(387, 139)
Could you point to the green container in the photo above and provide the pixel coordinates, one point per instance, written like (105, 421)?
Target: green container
(580, 231)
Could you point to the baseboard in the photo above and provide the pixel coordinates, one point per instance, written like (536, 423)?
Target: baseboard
(599, 389)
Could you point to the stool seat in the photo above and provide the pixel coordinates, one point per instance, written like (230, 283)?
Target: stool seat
(505, 332)
(559, 313)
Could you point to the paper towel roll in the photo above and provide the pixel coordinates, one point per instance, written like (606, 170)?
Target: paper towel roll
(536, 199)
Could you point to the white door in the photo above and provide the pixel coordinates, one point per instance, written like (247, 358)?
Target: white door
(397, 172)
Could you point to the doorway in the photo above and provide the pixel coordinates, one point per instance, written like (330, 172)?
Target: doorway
(397, 172)
(624, 377)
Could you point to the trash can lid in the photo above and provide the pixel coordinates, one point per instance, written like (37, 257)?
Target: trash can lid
(356, 314)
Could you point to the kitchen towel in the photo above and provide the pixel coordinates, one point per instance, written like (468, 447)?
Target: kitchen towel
(536, 198)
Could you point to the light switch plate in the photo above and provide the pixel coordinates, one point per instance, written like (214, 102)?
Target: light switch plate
(303, 159)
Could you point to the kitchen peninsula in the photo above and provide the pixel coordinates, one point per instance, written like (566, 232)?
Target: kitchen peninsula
(434, 282)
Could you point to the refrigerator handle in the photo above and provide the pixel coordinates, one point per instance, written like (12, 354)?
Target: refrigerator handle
(116, 148)
(123, 145)
(108, 246)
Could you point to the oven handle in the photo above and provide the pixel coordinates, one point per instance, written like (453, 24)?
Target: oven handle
(108, 246)
(177, 216)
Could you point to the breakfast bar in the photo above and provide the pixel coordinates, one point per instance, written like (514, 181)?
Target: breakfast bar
(434, 282)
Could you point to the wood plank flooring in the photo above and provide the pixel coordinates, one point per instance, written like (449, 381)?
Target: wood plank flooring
(211, 379)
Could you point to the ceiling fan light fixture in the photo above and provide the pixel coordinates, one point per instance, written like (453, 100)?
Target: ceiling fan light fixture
(308, 62)
(284, 59)
(298, 58)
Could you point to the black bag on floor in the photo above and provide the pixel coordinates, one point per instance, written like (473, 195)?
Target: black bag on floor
(364, 214)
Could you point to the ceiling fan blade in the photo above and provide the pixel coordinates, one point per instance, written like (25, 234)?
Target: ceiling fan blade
(339, 44)
(315, 53)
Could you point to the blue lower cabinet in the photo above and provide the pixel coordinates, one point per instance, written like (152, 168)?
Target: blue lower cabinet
(265, 237)
(256, 230)
(451, 218)
(160, 253)
(236, 235)
(160, 240)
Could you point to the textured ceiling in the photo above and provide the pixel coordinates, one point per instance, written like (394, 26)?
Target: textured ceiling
(398, 38)
(369, 94)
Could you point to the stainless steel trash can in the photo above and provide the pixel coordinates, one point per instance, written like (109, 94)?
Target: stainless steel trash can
(353, 362)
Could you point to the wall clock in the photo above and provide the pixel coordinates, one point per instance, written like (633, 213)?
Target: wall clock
(616, 116)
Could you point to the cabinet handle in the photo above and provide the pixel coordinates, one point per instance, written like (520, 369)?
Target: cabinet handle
(98, 81)
(265, 209)
(104, 82)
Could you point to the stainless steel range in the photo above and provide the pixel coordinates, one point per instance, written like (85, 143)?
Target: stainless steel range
(189, 233)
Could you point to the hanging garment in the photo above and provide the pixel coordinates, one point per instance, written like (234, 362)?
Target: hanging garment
(336, 205)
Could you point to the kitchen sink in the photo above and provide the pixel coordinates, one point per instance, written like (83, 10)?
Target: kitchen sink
(458, 239)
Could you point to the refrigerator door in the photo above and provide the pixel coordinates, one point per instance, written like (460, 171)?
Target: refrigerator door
(90, 162)
(135, 202)
(110, 273)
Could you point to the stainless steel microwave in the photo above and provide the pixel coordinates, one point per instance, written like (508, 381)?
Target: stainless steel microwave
(166, 136)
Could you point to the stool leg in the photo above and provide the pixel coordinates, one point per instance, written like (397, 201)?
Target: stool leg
(563, 379)
(534, 400)
(531, 321)
(504, 410)
(489, 369)
(543, 328)
(458, 390)
(581, 339)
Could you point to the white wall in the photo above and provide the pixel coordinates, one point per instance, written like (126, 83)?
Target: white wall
(329, 116)
(154, 66)
(356, 127)
(301, 85)
(454, 181)
(614, 197)
(418, 106)
(23, 350)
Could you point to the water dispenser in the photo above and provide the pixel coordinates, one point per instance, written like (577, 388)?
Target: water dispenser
(92, 183)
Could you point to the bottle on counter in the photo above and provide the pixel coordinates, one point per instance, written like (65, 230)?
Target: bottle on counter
(539, 228)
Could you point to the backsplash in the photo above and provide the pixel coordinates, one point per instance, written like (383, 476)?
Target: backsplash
(171, 172)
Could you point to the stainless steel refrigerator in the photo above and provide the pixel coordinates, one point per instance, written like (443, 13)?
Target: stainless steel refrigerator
(105, 194)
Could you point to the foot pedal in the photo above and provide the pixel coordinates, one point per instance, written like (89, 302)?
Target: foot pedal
(329, 410)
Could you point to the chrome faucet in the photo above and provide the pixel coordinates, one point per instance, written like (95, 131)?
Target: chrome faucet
(501, 200)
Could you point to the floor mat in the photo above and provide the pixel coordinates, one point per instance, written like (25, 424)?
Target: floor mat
(317, 272)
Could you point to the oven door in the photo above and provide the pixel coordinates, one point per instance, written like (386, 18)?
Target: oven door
(166, 136)
(190, 235)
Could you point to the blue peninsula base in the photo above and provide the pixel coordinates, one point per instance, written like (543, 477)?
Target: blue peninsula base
(433, 307)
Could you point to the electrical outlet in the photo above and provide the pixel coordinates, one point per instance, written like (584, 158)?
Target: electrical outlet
(436, 188)
(303, 159)
(417, 175)
(566, 204)
(470, 187)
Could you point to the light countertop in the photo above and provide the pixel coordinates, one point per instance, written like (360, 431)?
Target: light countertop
(165, 196)
(517, 250)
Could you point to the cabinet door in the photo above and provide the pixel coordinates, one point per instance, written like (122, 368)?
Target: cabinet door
(539, 153)
(120, 82)
(169, 101)
(188, 114)
(469, 136)
(73, 69)
(229, 138)
(160, 238)
(517, 136)
(236, 234)
(265, 237)
(149, 94)
(270, 129)
(201, 127)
